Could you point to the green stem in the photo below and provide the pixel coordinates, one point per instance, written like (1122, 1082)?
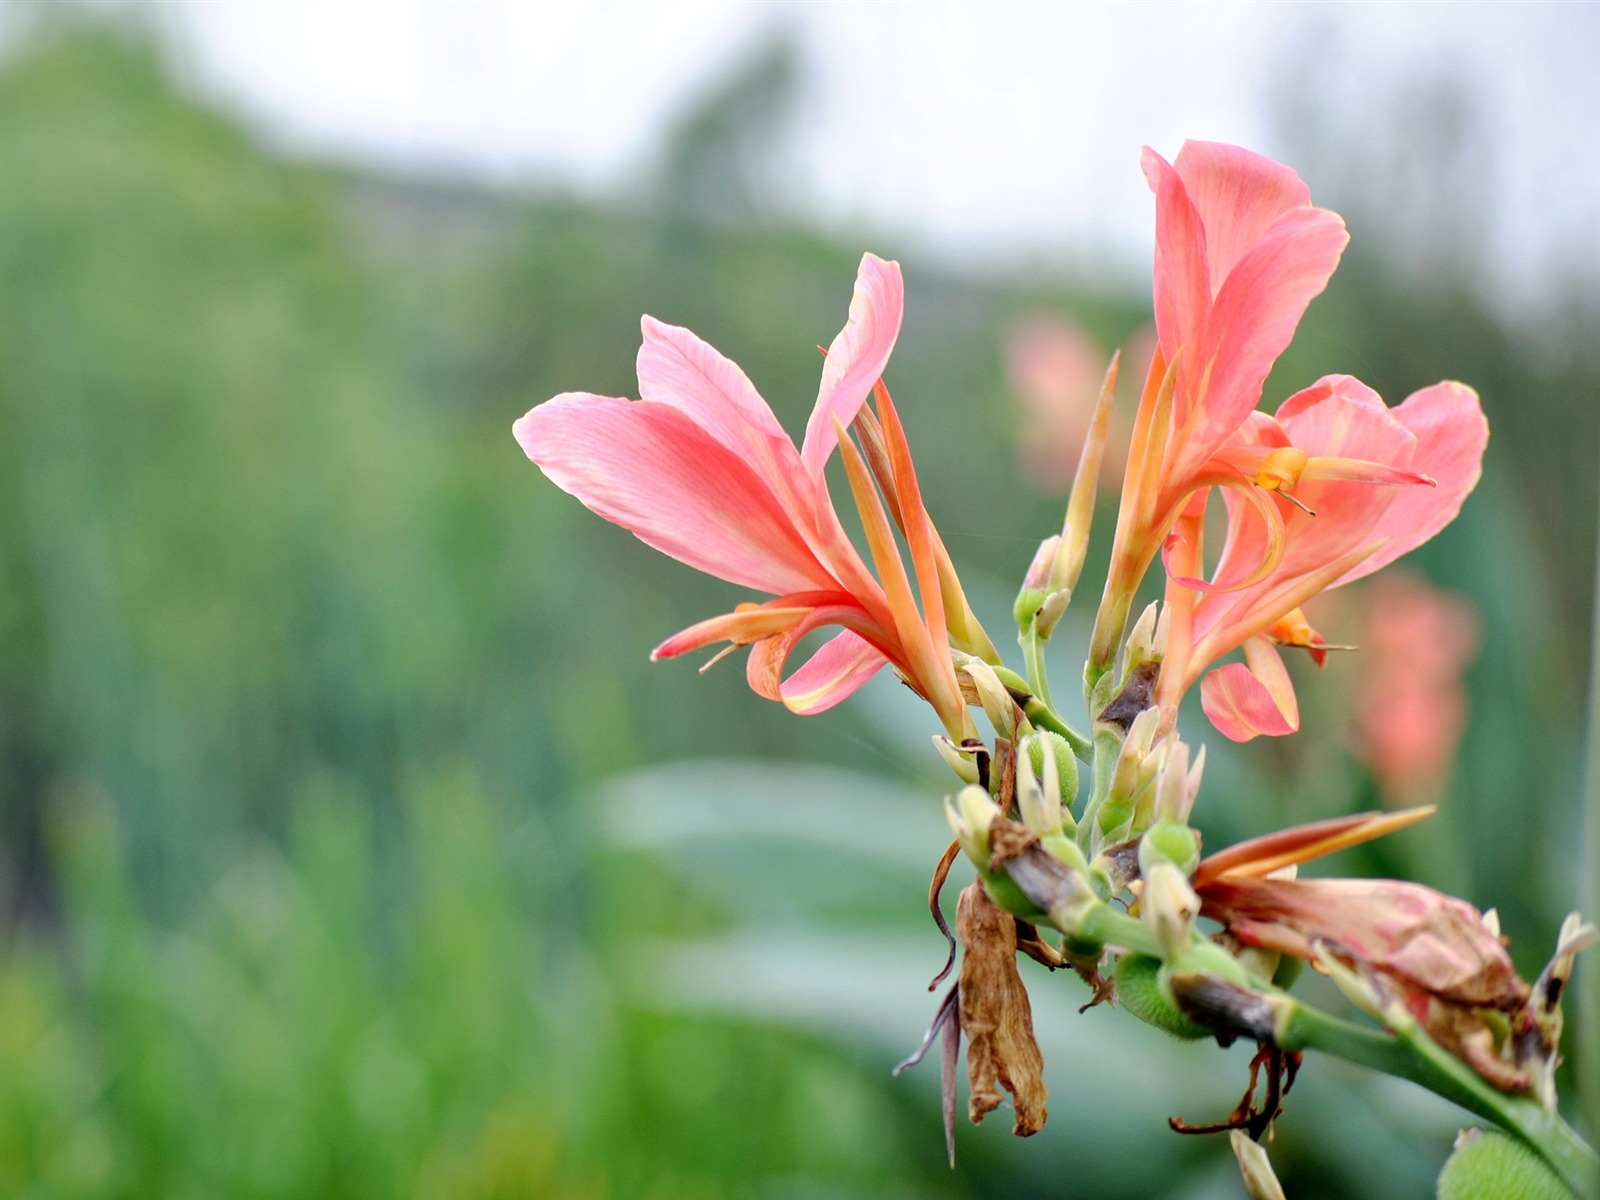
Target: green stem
(1107, 745)
(1408, 1052)
(1041, 714)
(1033, 660)
(1411, 1054)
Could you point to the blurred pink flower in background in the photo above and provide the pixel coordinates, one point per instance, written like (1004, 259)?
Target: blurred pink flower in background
(1054, 367)
(1411, 705)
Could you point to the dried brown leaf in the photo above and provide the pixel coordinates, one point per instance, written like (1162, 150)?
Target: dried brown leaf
(996, 1016)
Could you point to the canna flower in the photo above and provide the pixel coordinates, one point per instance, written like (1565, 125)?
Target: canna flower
(1411, 705)
(700, 469)
(1240, 253)
(1353, 485)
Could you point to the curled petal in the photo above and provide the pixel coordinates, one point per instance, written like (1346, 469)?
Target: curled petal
(839, 668)
(1245, 700)
(747, 623)
(1260, 544)
(857, 356)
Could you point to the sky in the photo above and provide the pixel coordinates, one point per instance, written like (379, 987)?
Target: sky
(991, 133)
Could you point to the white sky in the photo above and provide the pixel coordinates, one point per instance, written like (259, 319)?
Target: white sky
(972, 129)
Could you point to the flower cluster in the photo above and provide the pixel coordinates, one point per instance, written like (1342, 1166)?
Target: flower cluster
(1330, 487)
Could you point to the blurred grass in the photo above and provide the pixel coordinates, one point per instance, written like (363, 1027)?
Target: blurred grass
(337, 853)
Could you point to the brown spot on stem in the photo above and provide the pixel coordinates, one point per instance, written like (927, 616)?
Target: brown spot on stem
(1134, 697)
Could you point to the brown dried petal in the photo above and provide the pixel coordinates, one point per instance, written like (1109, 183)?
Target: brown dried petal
(996, 1016)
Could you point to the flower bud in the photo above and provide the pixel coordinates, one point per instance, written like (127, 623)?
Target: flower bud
(962, 762)
(1169, 907)
(1141, 645)
(998, 705)
(1179, 784)
(1169, 842)
(971, 814)
(1051, 757)
(1259, 1179)
(1036, 583)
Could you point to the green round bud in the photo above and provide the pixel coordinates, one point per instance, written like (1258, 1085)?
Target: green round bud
(1490, 1166)
(1114, 815)
(1066, 765)
(1027, 606)
(1139, 991)
(1168, 841)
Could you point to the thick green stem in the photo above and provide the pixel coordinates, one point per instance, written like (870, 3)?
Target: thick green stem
(1411, 1054)
(1107, 745)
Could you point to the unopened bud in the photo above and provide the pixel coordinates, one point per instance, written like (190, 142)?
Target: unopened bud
(1169, 907)
(971, 814)
(1178, 784)
(1051, 612)
(997, 703)
(1038, 803)
(1053, 761)
(1136, 764)
(1141, 644)
(1169, 842)
(962, 762)
(1259, 1179)
(1036, 583)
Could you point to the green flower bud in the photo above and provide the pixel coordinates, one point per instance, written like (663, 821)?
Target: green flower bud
(1169, 842)
(1490, 1166)
(1139, 991)
(1066, 764)
(971, 814)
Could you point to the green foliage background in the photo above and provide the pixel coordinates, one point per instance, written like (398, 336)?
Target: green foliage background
(350, 847)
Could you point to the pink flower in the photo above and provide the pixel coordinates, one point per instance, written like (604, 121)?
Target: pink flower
(1352, 485)
(700, 469)
(1240, 253)
(1411, 705)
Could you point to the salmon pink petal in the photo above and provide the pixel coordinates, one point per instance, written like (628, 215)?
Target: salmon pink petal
(841, 665)
(857, 356)
(747, 623)
(1248, 699)
(677, 368)
(1250, 324)
(837, 670)
(1451, 434)
(1182, 277)
(653, 470)
(1238, 195)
